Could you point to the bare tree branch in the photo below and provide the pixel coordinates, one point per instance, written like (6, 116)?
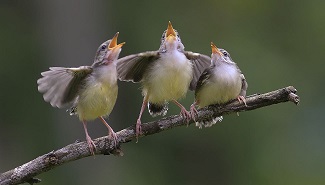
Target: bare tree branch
(78, 150)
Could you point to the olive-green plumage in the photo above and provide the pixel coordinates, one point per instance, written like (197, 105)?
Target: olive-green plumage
(91, 90)
(220, 83)
(165, 75)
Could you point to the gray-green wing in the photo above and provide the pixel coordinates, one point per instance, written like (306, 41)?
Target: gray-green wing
(205, 76)
(60, 85)
(133, 67)
(244, 85)
(200, 63)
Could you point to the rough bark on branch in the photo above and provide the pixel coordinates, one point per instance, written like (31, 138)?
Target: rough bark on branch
(78, 150)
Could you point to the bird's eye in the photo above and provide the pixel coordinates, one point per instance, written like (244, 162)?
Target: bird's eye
(103, 47)
(225, 53)
(163, 36)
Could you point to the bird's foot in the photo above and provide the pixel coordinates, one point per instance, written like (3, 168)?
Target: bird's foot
(91, 145)
(111, 134)
(186, 115)
(194, 113)
(113, 137)
(242, 99)
(138, 129)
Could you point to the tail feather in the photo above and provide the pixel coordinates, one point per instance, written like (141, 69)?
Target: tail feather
(208, 123)
(72, 111)
(157, 109)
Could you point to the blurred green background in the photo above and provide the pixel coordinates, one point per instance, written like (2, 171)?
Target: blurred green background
(275, 43)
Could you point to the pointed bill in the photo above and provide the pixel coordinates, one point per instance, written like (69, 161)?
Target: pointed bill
(170, 30)
(215, 50)
(113, 44)
(113, 41)
(118, 46)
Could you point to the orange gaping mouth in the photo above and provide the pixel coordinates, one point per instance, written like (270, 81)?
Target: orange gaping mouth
(113, 44)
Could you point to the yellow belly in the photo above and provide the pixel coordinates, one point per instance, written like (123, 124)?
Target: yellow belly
(97, 100)
(218, 92)
(169, 81)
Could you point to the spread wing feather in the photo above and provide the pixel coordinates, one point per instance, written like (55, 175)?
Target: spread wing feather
(200, 63)
(205, 76)
(132, 67)
(60, 85)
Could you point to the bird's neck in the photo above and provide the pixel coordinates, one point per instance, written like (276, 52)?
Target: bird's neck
(171, 47)
(106, 73)
(225, 70)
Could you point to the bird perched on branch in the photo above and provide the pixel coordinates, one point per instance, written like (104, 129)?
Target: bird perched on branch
(220, 83)
(165, 75)
(91, 90)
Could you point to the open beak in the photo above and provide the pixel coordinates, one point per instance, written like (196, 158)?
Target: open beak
(113, 44)
(113, 48)
(170, 33)
(215, 49)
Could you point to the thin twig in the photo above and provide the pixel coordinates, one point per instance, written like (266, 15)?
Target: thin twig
(79, 150)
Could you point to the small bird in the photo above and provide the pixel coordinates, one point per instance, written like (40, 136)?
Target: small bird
(91, 90)
(220, 83)
(165, 75)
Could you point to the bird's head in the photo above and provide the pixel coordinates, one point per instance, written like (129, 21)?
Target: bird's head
(220, 55)
(108, 52)
(170, 39)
